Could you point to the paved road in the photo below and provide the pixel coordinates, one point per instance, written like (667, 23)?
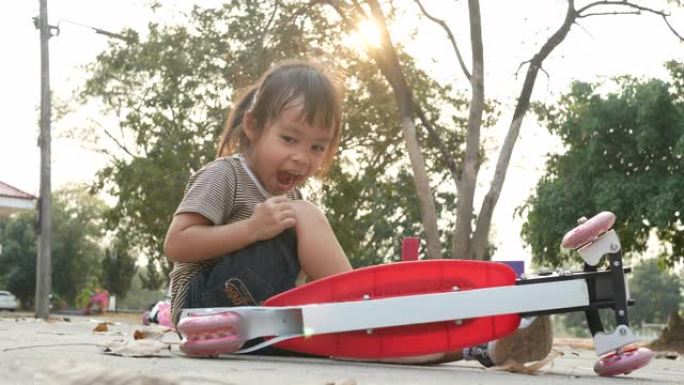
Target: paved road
(61, 352)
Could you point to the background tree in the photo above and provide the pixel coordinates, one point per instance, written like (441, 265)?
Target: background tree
(139, 297)
(471, 232)
(657, 293)
(624, 154)
(170, 92)
(118, 270)
(76, 236)
(18, 258)
(77, 232)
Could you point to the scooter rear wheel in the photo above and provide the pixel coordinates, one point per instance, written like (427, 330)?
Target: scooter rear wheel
(211, 334)
(623, 362)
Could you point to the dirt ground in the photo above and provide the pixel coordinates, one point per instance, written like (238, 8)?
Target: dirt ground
(128, 317)
(671, 340)
(76, 349)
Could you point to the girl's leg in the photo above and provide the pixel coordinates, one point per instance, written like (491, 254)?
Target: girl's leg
(320, 254)
(246, 277)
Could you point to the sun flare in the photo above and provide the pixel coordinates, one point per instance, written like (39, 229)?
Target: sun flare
(368, 33)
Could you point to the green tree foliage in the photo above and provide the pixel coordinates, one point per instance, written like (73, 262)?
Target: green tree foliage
(170, 91)
(138, 297)
(623, 154)
(18, 258)
(77, 231)
(657, 293)
(118, 270)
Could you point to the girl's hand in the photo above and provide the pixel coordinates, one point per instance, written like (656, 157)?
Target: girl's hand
(271, 217)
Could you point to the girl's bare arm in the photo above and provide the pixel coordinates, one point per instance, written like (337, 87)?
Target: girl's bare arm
(192, 237)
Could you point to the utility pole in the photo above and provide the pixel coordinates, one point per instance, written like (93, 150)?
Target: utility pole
(44, 262)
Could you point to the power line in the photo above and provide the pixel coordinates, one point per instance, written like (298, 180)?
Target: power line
(97, 30)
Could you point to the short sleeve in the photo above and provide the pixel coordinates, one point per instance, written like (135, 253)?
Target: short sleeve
(211, 192)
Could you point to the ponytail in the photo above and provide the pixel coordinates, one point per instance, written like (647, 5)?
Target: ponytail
(233, 138)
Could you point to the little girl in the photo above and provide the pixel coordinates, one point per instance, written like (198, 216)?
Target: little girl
(242, 232)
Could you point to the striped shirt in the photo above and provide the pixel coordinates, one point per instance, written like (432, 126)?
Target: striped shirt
(223, 191)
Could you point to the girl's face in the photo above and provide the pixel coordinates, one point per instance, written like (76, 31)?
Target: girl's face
(287, 151)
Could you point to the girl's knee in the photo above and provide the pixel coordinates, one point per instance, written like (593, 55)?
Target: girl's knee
(309, 218)
(306, 210)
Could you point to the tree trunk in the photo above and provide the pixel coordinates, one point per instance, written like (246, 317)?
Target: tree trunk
(461, 244)
(422, 183)
(484, 220)
(387, 61)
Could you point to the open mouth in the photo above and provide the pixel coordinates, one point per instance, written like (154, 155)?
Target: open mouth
(287, 178)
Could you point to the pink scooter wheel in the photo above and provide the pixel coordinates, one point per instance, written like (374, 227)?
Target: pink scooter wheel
(208, 323)
(211, 345)
(164, 315)
(210, 334)
(624, 362)
(146, 318)
(588, 231)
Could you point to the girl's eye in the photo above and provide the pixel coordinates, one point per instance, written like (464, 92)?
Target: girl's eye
(318, 148)
(287, 139)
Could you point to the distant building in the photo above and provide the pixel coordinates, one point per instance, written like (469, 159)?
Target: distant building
(12, 200)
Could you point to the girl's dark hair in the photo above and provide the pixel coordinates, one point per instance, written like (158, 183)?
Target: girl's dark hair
(289, 83)
(233, 131)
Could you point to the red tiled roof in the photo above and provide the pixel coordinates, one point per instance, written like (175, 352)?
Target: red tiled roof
(13, 192)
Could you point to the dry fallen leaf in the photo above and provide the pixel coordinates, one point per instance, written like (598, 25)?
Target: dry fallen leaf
(137, 348)
(671, 355)
(151, 331)
(101, 327)
(516, 367)
(138, 335)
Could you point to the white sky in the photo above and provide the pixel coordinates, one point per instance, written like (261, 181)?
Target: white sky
(513, 30)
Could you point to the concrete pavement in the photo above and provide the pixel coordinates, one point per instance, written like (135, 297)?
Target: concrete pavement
(69, 352)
